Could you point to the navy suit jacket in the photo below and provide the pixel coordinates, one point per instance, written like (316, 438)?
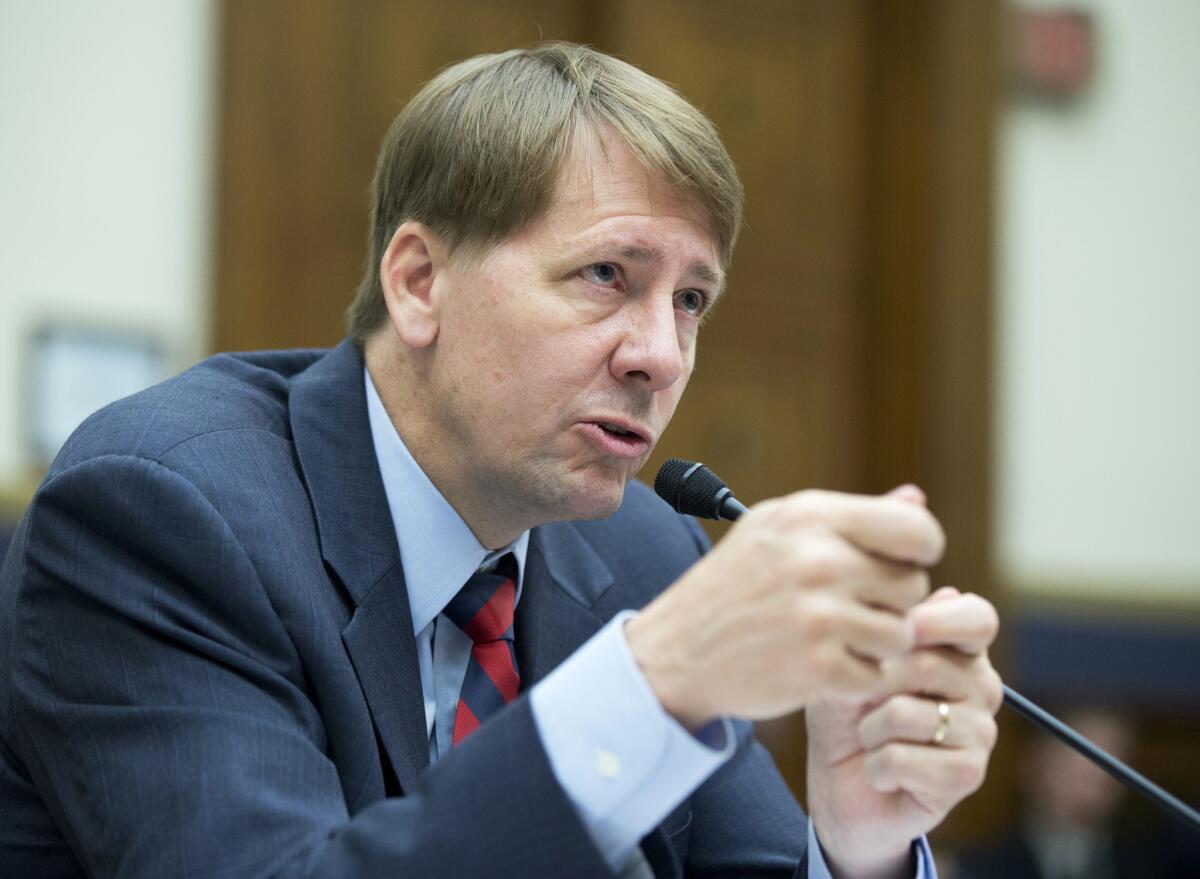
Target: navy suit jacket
(207, 662)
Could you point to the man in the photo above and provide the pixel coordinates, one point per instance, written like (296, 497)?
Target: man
(258, 620)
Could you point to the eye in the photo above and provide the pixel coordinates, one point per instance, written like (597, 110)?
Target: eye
(603, 273)
(693, 302)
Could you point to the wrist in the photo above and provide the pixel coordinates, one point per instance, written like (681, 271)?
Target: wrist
(660, 659)
(847, 858)
(853, 860)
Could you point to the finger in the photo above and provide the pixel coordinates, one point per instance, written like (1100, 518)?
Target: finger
(845, 674)
(876, 634)
(915, 720)
(852, 675)
(943, 593)
(825, 559)
(910, 493)
(937, 777)
(948, 673)
(895, 587)
(886, 526)
(967, 623)
(943, 671)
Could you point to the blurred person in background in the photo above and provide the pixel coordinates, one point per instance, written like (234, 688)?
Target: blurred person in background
(1068, 827)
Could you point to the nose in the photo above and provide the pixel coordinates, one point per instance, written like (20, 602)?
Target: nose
(649, 353)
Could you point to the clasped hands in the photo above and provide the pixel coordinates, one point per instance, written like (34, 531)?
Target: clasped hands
(821, 600)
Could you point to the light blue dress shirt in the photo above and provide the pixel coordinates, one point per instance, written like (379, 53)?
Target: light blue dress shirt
(622, 760)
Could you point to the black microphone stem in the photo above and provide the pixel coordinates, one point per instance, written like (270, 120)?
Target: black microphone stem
(1128, 776)
(708, 497)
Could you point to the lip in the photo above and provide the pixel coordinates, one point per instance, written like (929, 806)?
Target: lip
(645, 434)
(634, 445)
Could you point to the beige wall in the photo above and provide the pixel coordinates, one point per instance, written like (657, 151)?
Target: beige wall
(105, 179)
(1098, 296)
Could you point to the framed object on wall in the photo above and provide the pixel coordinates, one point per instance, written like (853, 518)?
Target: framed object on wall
(71, 370)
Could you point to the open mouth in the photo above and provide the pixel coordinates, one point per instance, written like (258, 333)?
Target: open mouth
(612, 428)
(615, 439)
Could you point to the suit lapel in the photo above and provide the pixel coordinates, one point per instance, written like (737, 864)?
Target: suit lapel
(563, 580)
(379, 639)
(330, 426)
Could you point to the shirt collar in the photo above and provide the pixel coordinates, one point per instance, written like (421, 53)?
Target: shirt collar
(439, 552)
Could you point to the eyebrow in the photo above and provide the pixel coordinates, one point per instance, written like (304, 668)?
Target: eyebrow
(700, 270)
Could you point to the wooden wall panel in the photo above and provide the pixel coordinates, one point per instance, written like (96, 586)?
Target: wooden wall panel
(934, 95)
(309, 89)
(776, 399)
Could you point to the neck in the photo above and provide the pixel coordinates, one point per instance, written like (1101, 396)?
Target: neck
(399, 376)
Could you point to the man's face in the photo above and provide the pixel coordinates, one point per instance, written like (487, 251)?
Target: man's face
(561, 354)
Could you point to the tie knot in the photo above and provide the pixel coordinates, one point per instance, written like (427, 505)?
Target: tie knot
(483, 608)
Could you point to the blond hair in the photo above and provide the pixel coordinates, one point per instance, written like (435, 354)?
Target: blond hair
(475, 155)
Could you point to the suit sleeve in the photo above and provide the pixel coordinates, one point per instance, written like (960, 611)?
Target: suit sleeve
(745, 821)
(164, 718)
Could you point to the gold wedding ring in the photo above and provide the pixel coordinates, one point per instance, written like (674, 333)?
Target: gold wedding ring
(943, 727)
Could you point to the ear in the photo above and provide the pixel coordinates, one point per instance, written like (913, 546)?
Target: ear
(407, 273)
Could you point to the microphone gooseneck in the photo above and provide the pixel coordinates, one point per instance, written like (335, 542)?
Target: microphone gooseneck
(693, 489)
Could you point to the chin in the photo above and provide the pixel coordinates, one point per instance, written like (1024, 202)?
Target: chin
(595, 498)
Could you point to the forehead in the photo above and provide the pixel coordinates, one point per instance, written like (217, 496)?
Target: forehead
(604, 188)
(600, 171)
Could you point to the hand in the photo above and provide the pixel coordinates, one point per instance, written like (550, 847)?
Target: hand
(803, 600)
(876, 781)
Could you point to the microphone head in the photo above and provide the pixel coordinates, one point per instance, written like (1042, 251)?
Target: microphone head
(691, 488)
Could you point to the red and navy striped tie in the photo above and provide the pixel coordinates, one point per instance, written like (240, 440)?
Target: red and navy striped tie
(484, 610)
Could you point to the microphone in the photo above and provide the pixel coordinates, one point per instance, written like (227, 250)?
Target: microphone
(693, 489)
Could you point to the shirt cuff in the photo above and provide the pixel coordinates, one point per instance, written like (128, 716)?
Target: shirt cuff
(818, 869)
(622, 760)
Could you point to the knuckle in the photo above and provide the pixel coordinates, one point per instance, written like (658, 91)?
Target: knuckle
(972, 773)
(990, 731)
(803, 506)
(898, 714)
(763, 515)
(926, 665)
(993, 691)
(937, 547)
(921, 533)
(806, 497)
(966, 773)
(872, 766)
(988, 624)
(826, 660)
(891, 758)
(962, 774)
(822, 564)
(818, 617)
(765, 508)
(763, 542)
(927, 532)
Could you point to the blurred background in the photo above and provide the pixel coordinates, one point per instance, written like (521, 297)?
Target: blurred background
(969, 262)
